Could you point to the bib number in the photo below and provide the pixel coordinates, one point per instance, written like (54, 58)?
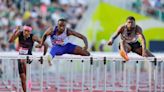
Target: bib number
(59, 42)
(23, 51)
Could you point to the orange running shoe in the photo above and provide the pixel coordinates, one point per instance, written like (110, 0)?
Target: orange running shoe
(124, 55)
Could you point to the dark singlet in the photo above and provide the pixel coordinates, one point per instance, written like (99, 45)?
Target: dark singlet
(130, 36)
(25, 45)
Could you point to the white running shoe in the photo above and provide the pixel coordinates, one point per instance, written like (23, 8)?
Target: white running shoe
(49, 59)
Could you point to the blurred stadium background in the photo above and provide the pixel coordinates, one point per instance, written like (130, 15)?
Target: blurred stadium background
(96, 19)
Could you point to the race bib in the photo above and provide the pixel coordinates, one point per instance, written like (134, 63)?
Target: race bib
(59, 42)
(23, 51)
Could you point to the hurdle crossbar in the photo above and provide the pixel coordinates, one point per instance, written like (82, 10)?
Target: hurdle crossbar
(77, 57)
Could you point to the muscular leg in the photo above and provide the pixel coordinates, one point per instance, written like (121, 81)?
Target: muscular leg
(149, 53)
(79, 51)
(139, 52)
(23, 81)
(23, 74)
(125, 46)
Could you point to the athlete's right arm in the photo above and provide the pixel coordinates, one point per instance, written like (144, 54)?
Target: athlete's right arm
(47, 33)
(15, 34)
(119, 30)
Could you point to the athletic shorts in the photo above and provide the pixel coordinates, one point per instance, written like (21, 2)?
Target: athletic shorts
(62, 49)
(134, 46)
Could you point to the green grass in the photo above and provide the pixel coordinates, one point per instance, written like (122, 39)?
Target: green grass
(109, 17)
(154, 34)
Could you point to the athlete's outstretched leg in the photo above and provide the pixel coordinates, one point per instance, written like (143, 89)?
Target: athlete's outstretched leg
(55, 50)
(79, 51)
(22, 72)
(23, 81)
(148, 53)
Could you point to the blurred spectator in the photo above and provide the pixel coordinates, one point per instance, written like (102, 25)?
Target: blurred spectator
(158, 4)
(38, 13)
(93, 47)
(137, 5)
(149, 7)
(101, 46)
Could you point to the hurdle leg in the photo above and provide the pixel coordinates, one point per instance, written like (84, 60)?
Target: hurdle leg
(11, 77)
(98, 75)
(124, 75)
(120, 71)
(41, 74)
(138, 75)
(17, 76)
(105, 74)
(28, 81)
(47, 80)
(91, 78)
(156, 76)
(28, 75)
(68, 77)
(113, 77)
(83, 75)
(71, 75)
(58, 76)
(150, 75)
(129, 79)
(161, 75)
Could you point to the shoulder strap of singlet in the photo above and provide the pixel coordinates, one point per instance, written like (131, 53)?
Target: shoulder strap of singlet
(31, 35)
(136, 29)
(66, 31)
(55, 30)
(21, 34)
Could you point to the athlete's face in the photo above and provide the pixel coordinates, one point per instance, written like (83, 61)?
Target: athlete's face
(61, 26)
(130, 24)
(26, 33)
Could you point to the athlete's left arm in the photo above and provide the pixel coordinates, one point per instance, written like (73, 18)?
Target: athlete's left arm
(74, 33)
(143, 41)
(35, 38)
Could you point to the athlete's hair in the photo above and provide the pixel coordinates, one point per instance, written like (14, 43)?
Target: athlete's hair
(27, 24)
(64, 20)
(130, 18)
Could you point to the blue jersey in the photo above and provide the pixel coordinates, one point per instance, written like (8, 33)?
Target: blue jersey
(61, 39)
(60, 44)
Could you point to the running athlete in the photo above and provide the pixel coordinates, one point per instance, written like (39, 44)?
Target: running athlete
(130, 32)
(26, 41)
(59, 39)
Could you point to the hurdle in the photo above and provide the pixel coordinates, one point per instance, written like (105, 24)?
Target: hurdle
(94, 73)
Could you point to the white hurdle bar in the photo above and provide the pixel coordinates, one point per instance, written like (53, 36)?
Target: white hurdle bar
(74, 57)
(92, 85)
